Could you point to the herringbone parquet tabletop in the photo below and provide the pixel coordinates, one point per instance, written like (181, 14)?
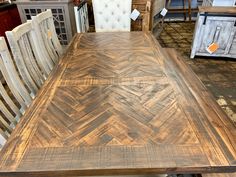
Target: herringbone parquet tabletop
(118, 103)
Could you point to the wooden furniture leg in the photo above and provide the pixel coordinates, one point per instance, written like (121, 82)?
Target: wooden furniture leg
(146, 17)
(190, 10)
(168, 4)
(184, 10)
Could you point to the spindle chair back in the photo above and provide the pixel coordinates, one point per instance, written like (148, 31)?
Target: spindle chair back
(14, 95)
(44, 22)
(30, 66)
(43, 53)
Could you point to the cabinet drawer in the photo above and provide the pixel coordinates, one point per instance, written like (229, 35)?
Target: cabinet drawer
(220, 30)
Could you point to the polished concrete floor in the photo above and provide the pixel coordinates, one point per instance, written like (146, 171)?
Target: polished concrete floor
(217, 74)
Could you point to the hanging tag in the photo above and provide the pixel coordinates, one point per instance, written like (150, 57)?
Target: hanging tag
(135, 14)
(164, 12)
(212, 48)
(49, 34)
(2, 139)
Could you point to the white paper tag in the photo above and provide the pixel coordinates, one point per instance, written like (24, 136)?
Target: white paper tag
(164, 12)
(2, 140)
(135, 14)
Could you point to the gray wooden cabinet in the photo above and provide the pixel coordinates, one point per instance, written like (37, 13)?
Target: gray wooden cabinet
(63, 13)
(215, 26)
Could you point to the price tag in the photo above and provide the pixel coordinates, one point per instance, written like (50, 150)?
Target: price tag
(135, 14)
(164, 12)
(212, 48)
(49, 34)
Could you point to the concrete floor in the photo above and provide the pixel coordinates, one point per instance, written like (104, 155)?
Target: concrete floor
(217, 74)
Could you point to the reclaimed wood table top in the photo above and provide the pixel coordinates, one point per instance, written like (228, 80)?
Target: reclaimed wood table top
(118, 103)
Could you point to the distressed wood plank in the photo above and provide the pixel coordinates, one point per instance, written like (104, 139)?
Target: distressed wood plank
(12, 77)
(118, 103)
(219, 175)
(45, 23)
(218, 10)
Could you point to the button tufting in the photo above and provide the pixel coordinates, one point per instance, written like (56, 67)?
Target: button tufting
(112, 15)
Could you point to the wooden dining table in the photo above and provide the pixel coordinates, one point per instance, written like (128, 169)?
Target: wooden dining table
(120, 104)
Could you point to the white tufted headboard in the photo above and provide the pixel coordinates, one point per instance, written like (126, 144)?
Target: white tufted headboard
(112, 15)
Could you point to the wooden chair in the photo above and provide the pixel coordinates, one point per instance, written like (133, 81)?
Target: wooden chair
(15, 97)
(31, 67)
(41, 49)
(112, 16)
(45, 25)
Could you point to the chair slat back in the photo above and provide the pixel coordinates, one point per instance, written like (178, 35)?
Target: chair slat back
(14, 96)
(24, 56)
(6, 126)
(9, 101)
(12, 78)
(34, 40)
(3, 138)
(44, 22)
(39, 45)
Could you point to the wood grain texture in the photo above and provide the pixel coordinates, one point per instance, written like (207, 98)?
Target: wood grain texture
(144, 21)
(217, 10)
(12, 105)
(26, 64)
(118, 103)
(215, 74)
(219, 175)
(48, 32)
(12, 77)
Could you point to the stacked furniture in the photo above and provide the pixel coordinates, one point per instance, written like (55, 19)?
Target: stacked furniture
(34, 57)
(215, 25)
(63, 15)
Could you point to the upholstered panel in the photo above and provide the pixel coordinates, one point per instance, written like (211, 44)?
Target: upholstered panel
(112, 15)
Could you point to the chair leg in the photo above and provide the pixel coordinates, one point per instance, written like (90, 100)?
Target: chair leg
(168, 4)
(190, 10)
(184, 10)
